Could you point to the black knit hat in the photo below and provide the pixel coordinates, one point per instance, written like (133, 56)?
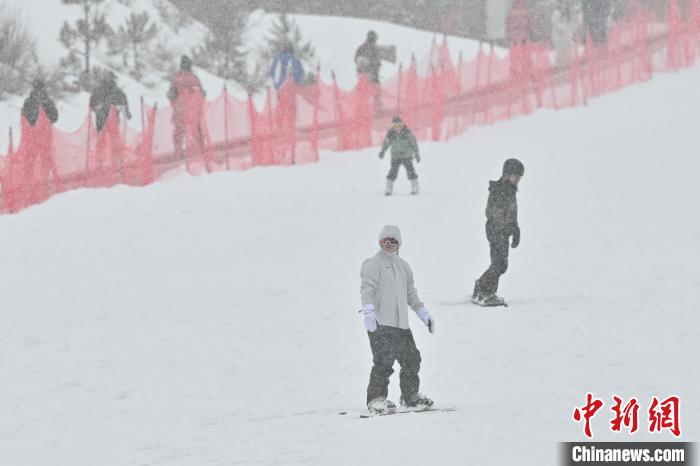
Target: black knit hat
(397, 119)
(513, 167)
(185, 63)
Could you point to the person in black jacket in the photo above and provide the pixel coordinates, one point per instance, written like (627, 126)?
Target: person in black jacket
(367, 58)
(39, 99)
(501, 225)
(104, 97)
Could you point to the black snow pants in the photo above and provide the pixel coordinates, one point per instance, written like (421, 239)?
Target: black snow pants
(396, 164)
(391, 344)
(499, 244)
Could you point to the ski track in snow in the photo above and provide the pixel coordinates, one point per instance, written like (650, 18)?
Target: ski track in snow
(213, 320)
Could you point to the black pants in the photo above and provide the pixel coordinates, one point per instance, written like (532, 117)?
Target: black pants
(498, 243)
(391, 344)
(396, 163)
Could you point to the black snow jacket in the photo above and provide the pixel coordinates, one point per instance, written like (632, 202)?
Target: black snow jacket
(103, 98)
(368, 60)
(502, 208)
(39, 99)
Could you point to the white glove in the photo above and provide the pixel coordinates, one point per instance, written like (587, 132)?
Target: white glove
(370, 317)
(426, 318)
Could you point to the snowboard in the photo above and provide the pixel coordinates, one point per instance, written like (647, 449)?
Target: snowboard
(408, 411)
(502, 304)
(387, 53)
(366, 415)
(459, 302)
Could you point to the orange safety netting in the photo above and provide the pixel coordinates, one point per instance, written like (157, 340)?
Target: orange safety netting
(436, 97)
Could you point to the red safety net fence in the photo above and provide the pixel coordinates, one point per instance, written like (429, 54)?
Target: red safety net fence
(437, 97)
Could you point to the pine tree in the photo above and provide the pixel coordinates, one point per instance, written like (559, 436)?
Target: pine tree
(222, 53)
(171, 15)
(285, 32)
(134, 35)
(86, 32)
(18, 62)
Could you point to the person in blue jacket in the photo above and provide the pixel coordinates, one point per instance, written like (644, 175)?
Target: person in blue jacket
(281, 67)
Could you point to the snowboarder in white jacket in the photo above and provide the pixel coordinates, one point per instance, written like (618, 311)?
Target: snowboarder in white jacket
(388, 291)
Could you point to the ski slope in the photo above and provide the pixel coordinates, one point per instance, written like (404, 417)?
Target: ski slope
(213, 320)
(335, 40)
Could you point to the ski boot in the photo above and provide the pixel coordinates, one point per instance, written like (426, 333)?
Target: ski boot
(476, 294)
(417, 401)
(492, 300)
(381, 405)
(389, 188)
(414, 186)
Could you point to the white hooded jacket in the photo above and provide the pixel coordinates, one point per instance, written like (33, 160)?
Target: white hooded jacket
(387, 283)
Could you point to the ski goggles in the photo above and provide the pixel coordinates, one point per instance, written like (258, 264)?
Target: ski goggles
(390, 242)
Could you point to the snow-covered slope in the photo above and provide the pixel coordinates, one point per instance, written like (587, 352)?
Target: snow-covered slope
(177, 33)
(213, 320)
(335, 40)
(46, 18)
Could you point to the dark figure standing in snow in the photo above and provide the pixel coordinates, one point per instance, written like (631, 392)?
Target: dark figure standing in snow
(105, 167)
(595, 19)
(287, 69)
(501, 225)
(368, 59)
(106, 96)
(518, 28)
(403, 148)
(518, 23)
(37, 100)
(387, 291)
(186, 95)
(31, 173)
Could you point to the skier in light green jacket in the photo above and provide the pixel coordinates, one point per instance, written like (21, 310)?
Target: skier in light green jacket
(404, 147)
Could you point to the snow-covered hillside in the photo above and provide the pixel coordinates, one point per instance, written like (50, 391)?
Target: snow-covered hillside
(213, 320)
(176, 33)
(46, 18)
(335, 40)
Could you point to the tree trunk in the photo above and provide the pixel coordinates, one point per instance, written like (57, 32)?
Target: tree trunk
(86, 9)
(227, 62)
(136, 55)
